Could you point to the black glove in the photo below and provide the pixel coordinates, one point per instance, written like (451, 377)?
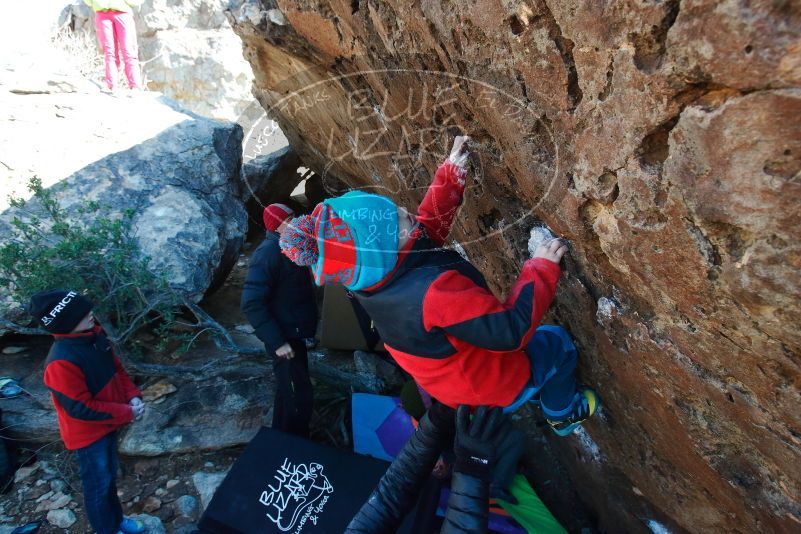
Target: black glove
(443, 417)
(509, 449)
(477, 439)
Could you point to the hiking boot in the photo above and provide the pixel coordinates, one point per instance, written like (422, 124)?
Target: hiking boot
(586, 405)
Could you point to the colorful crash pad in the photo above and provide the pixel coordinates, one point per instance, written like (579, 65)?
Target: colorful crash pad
(380, 425)
(500, 521)
(381, 428)
(530, 511)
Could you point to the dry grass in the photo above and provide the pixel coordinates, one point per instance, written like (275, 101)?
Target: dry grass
(78, 53)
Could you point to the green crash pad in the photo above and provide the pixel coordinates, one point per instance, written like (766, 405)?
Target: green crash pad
(530, 512)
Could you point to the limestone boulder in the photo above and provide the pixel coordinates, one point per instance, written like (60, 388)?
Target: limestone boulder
(662, 139)
(187, 52)
(267, 179)
(29, 417)
(224, 410)
(183, 185)
(272, 177)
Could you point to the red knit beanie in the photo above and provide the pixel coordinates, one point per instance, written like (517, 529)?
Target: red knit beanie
(275, 214)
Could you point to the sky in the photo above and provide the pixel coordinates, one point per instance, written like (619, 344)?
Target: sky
(25, 24)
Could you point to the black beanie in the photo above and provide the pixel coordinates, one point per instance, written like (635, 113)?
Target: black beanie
(59, 311)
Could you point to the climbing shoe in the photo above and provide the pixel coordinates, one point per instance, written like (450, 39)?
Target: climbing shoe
(586, 405)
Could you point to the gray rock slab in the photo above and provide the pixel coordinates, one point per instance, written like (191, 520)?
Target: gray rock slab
(62, 518)
(182, 181)
(206, 484)
(186, 505)
(221, 411)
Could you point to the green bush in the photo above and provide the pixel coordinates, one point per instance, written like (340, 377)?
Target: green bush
(95, 253)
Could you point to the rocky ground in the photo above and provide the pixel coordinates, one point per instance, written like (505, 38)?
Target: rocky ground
(168, 493)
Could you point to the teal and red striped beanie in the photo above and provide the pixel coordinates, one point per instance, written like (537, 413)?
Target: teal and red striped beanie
(351, 239)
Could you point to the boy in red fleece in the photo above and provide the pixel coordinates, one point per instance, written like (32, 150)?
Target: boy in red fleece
(93, 397)
(434, 310)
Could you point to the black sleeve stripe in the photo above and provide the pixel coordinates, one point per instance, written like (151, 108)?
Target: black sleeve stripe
(79, 410)
(500, 331)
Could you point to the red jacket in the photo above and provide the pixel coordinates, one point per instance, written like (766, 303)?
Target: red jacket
(440, 321)
(89, 387)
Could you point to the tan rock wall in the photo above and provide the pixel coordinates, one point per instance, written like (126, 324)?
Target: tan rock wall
(664, 140)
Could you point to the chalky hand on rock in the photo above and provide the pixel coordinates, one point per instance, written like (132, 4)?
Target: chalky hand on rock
(544, 244)
(459, 154)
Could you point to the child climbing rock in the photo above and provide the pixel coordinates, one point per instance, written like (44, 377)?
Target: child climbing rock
(433, 308)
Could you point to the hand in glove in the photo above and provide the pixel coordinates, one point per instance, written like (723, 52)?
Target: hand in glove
(477, 440)
(400, 486)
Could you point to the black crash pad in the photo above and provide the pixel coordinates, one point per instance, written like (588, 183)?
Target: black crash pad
(286, 484)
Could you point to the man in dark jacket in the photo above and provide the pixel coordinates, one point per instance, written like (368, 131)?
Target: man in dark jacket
(278, 299)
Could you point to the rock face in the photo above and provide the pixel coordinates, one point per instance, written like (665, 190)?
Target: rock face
(29, 417)
(272, 177)
(222, 411)
(269, 178)
(187, 52)
(664, 140)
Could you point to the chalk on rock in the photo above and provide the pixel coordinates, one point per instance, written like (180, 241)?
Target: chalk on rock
(276, 17)
(657, 528)
(587, 443)
(539, 235)
(455, 245)
(606, 311)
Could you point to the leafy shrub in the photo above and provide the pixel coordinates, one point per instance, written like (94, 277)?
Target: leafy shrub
(98, 254)
(95, 253)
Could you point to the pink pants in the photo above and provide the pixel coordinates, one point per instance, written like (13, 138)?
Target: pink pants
(117, 35)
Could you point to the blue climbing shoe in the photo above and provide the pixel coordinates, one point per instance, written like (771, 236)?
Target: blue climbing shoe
(586, 406)
(131, 526)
